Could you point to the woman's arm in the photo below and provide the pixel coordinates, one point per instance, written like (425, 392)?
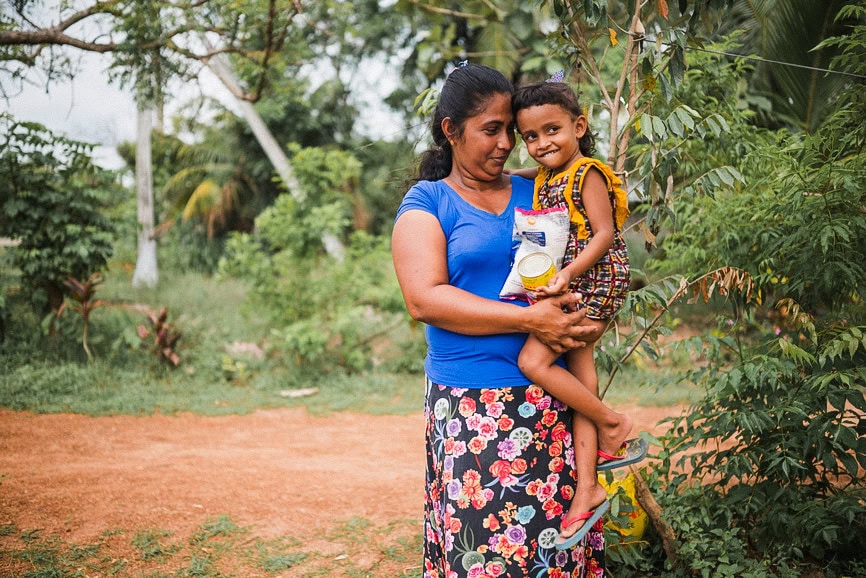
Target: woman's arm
(419, 252)
(527, 173)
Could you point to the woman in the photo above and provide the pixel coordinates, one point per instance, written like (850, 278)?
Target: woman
(500, 455)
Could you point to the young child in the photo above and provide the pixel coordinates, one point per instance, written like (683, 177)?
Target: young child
(596, 267)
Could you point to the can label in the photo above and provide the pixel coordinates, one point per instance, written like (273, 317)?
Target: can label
(535, 270)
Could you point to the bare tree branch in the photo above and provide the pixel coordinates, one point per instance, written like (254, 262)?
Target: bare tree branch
(102, 7)
(27, 45)
(48, 37)
(446, 11)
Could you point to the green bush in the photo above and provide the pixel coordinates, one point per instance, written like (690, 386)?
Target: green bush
(325, 313)
(186, 247)
(776, 444)
(296, 222)
(50, 199)
(774, 448)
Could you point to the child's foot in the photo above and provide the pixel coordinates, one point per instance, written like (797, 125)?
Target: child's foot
(583, 502)
(631, 452)
(610, 440)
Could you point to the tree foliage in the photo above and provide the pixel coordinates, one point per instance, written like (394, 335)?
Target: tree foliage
(800, 91)
(775, 447)
(324, 314)
(50, 199)
(149, 42)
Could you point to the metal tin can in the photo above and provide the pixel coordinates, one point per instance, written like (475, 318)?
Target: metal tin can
(535, 270)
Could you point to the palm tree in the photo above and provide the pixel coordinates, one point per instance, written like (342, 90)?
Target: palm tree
(146, 272)
(214, 188)
(783, 34)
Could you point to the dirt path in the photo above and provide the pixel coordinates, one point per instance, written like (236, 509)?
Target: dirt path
(280, 472)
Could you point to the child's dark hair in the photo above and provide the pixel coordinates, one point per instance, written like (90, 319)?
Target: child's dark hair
(464, 95)
(556, 93)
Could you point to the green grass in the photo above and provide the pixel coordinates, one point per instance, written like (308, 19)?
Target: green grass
(51, 374)
(219, 547)
(153, 544)
(105, 389)
(647, 386)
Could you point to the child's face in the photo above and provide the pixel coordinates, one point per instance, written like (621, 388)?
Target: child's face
(551, 135)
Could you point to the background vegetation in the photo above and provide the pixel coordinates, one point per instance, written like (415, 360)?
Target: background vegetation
(737, 125)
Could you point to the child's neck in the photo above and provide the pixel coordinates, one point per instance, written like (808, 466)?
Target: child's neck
(570, 163)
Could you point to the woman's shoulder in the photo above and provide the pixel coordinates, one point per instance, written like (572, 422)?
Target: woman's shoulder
(426, 196)
(426, 191)
(519, 182)
(427, 187)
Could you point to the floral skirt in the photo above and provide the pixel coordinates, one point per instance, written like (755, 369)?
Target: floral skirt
(500, 476)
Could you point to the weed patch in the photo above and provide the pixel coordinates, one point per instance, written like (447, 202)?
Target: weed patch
(219, 547)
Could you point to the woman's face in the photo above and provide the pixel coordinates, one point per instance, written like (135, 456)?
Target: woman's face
(487, 140)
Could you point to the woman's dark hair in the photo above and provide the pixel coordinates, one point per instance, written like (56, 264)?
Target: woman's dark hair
(464, 95)
(556, 93)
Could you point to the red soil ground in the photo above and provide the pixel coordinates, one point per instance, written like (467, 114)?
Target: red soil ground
(279, 472)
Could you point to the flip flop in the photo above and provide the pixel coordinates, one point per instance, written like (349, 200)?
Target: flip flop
(591, 518)
(632, 451)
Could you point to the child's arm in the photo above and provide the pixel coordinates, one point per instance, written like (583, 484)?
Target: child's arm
(600, 213)
(529, 173)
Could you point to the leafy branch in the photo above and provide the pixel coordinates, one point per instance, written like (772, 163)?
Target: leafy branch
(132, 35)
(160, 334)
(723, 280)
(163, 337)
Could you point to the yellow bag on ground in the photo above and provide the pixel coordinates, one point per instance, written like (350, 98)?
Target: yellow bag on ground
(631, 524)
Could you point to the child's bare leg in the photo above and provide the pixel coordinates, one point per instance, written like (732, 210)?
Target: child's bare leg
(581, 364)
(536, 361)
(593, 424)
(589, 494)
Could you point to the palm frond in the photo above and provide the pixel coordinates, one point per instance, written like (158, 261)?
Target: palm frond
(203, 199)
(786, 32)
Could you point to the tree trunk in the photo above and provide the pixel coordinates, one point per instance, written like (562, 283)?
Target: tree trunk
(222, 69)
(654, 513)
(146, 272)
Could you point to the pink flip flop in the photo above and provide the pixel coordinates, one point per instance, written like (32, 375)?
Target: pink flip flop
(632, 451)
(591, 518)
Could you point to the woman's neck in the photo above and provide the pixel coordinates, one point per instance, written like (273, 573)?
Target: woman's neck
(473, 185)
(491, 196)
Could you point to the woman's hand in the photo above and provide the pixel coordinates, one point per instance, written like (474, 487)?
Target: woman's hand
(559, 326)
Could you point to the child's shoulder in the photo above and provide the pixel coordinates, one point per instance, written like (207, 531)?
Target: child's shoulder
(585, 166)
(587, 163)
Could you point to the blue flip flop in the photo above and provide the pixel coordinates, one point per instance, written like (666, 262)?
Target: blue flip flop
(591, 518)
(631, 452)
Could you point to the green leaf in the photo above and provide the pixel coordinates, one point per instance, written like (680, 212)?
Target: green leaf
(646, 126)
(659, 128)
(675, 125)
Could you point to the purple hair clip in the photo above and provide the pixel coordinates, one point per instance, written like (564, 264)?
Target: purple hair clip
(558, 76)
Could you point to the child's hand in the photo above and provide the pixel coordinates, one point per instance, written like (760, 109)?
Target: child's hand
(557, 285)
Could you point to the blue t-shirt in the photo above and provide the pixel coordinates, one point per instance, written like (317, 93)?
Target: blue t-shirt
(480, 252)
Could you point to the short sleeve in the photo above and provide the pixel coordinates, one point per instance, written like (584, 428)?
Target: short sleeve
(419, 197)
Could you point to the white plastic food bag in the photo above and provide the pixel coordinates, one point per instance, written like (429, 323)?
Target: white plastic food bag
(543, 231)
